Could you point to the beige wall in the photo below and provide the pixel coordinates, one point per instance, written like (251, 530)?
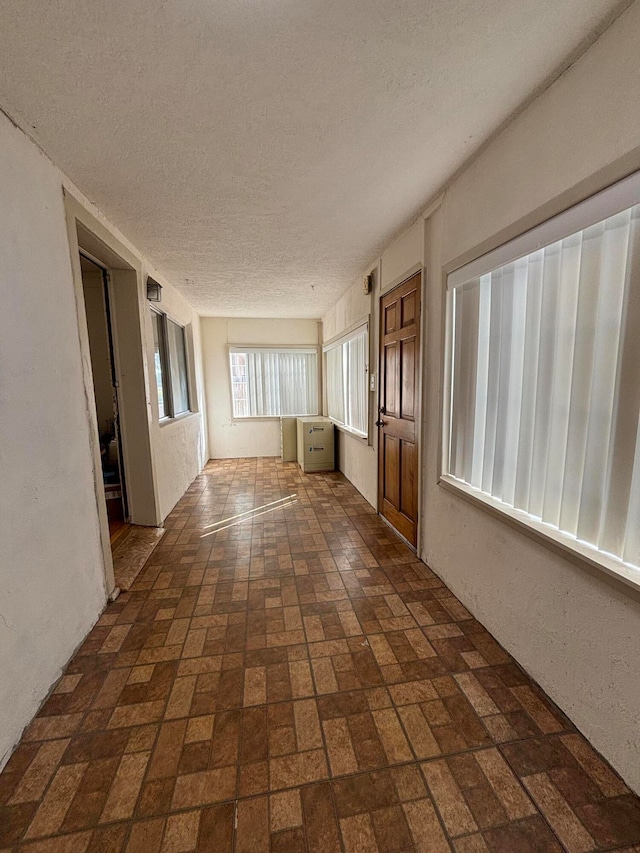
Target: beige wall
(230, 438)
(576, 633)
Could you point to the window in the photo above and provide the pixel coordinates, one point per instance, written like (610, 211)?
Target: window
(178, 367)
(268, 382)
(170, 360)
(160, 362)
(346, 372)
(544, 386)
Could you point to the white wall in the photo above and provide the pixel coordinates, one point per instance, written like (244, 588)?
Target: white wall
(575, 632)
(51, 573)
(52, 569)
(229, 438)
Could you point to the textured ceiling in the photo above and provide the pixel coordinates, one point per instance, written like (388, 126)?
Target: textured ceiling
(262, 152)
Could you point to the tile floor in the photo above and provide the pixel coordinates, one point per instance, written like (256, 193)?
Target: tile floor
(297, 681)
(131, 550)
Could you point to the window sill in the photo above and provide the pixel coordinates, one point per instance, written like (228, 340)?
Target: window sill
(165, 422)
(243, 419)
(348, 431)
(580, 553)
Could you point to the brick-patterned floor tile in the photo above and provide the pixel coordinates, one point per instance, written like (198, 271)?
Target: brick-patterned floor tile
(296, 681)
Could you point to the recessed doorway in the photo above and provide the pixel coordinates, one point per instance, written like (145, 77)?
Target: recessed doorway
(115, 344)
(99, 327)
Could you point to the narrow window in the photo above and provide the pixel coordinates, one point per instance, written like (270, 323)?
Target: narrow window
(160, 363)
(178, 362)
(171, 366)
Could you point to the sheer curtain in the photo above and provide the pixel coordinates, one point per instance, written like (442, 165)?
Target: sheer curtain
(335, 384)
(545, 384)
(273, 383)
(357, 383)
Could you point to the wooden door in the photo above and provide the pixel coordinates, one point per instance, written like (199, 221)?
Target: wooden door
(398, 475)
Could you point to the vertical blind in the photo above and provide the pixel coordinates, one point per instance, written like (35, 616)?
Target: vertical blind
(544, 394)
(268, 382)
(346, 378)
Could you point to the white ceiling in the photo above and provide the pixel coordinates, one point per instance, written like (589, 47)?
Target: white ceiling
(262, 152)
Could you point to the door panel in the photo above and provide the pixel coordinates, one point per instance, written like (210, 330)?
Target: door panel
(408, 372)
(390, 318)
(408, 493)
(408, 309)
(398, 436)
(391, 468)
(390, 402)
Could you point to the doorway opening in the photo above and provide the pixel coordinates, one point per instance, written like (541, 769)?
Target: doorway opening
(95, 288)
(115, 345)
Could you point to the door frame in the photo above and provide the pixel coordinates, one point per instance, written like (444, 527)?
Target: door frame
(420, 391)
(124, 275)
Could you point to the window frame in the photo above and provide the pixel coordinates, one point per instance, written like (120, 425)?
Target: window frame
(340, 341)
(608, 202)
(165, 364)
(185, 349)
(272, 348)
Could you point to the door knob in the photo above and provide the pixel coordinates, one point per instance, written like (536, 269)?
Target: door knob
(380, 423)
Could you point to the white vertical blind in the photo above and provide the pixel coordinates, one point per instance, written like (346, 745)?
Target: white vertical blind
(545, 384)
(356, 380)
(346, 378)
(270, 383)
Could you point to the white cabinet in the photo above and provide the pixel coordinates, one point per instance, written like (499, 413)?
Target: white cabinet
(315, 444)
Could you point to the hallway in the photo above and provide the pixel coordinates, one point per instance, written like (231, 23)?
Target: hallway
(291, 679)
